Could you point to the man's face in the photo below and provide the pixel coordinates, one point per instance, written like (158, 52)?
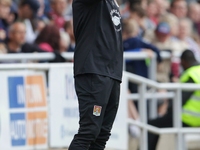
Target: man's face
(184, 64)
(179, 9)
(59, 6)
(194, 13)
(162, 37)
(152, 10)
(161, 7)
(18, 34)
(27, 12)
(4, 10)
(184, 29)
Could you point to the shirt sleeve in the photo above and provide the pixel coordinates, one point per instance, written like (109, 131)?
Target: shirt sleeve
(152, 47)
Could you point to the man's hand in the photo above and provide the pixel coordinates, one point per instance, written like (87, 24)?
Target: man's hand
(149, 52)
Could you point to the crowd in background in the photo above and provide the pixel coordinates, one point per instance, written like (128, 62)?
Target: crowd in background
(148, 25)
(172, 26)
(28, 26)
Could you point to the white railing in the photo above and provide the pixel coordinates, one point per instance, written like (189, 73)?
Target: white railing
(25, 57)
(142, 97)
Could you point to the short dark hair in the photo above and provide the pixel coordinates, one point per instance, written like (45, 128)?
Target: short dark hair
(188, 56)
(138, 10)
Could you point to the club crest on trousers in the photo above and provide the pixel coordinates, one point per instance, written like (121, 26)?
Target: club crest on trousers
(97, 110)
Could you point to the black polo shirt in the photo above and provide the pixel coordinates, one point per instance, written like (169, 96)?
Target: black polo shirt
(98, 34)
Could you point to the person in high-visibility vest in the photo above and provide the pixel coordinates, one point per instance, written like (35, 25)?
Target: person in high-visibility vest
(190, 100)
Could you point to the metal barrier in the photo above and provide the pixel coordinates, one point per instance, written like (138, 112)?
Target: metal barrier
(142, 97)
(24, 57)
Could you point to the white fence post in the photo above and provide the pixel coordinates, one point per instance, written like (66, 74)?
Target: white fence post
(124, 98)
(177, 110)
(153, 106)
(152, 71)
(143, 115)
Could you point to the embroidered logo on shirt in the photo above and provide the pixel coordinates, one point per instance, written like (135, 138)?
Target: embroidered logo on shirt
(116, 18)
(97, 110)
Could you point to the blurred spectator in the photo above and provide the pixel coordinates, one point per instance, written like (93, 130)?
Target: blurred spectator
(132, 43)
(190, 103)
(49, 39)
(194, 11)
(185, 29)
(27, 13)
(58, 10)
(43, 20)
(144, 4)
(16, 1)
(3, 49)
(179, 8)
(47, 9)
(172, 20)
(12, 17)
(64, 41)
(162, 7)
(138, 14)
(124, 9)
(16, 42)
(68, 11)
(69, 29)
(162, 39)
(4, 13)
(152, 11)
(40, 13)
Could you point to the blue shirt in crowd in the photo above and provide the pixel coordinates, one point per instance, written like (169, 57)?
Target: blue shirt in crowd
(139, 67)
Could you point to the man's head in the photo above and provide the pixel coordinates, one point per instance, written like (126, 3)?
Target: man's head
(194, 11)
(179, 8)
(5, 8)
(137, 13)
(17, 33)
(130, 28)
(162, 31)
(162, 7)
(59, 6)
(152, 9)
(173, 22)
(28, 9)
(185, 28)
(187, 59)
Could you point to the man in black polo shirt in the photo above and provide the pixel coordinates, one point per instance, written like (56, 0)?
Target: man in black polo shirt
(98, 62)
